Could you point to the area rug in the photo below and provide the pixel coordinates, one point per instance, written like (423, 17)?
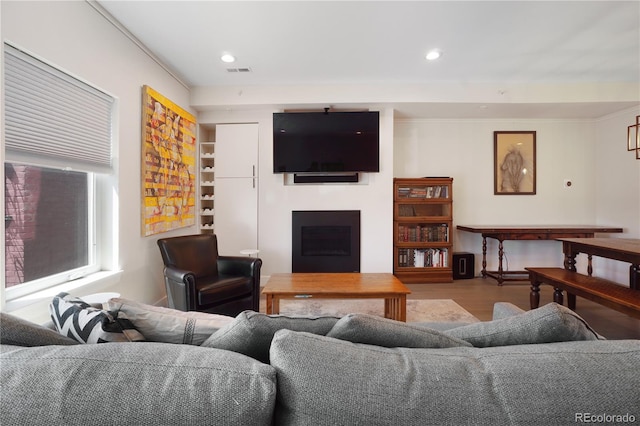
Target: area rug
(427, 310)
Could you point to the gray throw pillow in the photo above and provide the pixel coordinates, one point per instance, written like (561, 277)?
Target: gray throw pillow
(375, 330)
(19, 332)
(159, 324)
(78, 320)
(251, 332)
(549, 323)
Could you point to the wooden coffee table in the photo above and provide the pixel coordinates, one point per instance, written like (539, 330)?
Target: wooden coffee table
(339, 286)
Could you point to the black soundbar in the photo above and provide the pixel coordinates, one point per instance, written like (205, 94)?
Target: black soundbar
(329, 177)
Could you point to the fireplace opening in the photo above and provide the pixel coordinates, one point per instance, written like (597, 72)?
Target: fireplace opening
(326, 241)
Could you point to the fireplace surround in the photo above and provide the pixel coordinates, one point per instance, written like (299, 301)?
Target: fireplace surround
(325, 241)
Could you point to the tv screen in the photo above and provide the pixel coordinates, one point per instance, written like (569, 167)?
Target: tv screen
(319, 142)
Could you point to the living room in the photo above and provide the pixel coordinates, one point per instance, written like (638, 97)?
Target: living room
(588, 150)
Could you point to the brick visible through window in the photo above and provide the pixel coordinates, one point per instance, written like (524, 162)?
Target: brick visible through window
(46, 222)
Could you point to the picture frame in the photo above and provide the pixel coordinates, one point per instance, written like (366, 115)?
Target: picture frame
(168, 165)
(514, 162)
(633, 143)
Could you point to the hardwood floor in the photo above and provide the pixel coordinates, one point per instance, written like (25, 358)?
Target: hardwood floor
(478, 295)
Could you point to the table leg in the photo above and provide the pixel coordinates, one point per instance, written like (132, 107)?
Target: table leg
(570, 261)
(269, 304)
(402, 308)
(273, 304)
(571, 301)
(570, 264)
(484, 257)
(558, 297)
(395, 308)
(634, 277)
(500, 256)
(534, 296)
(388, 308)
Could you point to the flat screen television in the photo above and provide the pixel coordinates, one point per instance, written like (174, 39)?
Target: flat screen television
(326, 142)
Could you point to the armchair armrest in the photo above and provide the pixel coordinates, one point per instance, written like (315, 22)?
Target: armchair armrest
(175, 274)
(244, 266)
(181, 288)
(239, 265)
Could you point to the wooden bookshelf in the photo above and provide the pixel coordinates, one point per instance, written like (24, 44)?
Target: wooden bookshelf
(423, 230)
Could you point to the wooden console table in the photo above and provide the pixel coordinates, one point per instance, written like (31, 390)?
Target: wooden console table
(622, 249)
(534, 232)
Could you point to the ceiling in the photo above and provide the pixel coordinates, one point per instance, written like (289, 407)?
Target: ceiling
(308, 43)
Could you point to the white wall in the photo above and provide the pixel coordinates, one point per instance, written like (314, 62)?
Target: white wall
(277, 200)
(75, 37)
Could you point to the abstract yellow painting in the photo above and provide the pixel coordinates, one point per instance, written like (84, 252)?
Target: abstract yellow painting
(168, 164)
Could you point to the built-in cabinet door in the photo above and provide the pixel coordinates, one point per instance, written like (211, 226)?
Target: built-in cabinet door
(236, 188)
(237, 150)
(236, 218)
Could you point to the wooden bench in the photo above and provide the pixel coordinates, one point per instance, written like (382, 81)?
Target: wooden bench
(604, 292)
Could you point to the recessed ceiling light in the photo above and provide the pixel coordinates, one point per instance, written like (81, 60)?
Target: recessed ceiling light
(433, 55)
(227, 57)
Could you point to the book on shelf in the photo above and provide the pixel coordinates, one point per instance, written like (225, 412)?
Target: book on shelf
(438, 191)
(423, 233)
(418, 193)
(423, 258)
(430, 192)
(406, 210)
(403, 192)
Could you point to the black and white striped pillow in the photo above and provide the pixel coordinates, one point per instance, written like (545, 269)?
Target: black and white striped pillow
(78, 320)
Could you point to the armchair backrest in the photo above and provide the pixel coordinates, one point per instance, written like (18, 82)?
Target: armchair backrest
(195, 253)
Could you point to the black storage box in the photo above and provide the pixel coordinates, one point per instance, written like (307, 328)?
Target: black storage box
(463, 266)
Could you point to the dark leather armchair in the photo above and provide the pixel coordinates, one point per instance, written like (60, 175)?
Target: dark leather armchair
(198, 279)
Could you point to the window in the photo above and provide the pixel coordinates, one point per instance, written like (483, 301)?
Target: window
(47, 224)
(58, 145)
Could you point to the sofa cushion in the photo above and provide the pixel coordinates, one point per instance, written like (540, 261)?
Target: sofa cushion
(251, 332)
(134, 384)
(549, 323)
(439, 325)
(375, 330)
(78, 320)
(167, 325)
(505, 310)
(325, 381)
(19, 332)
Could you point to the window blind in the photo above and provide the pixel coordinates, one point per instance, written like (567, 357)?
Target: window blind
(52, 118)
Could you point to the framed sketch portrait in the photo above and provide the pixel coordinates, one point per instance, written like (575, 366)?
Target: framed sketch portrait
(514, 162)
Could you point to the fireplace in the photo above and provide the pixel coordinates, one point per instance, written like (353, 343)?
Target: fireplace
(325, 241)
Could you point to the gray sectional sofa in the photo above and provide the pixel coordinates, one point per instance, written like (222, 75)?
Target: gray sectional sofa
(545, 366)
